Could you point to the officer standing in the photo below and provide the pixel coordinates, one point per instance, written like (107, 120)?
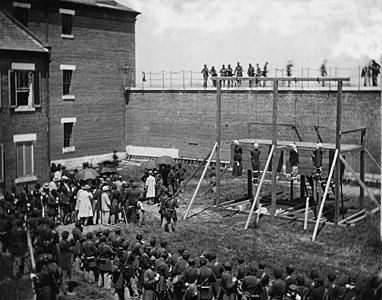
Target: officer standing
(90, 253)
(65, 261)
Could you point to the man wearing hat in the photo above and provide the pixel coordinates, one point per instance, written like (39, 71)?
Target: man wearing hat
(65, 260)
(150, 187)
(237, 159)
(104, 262)
(90, 254)
(218, 269)
(135, 194)
(78, 239)
(255, 160)
(278, 288)
(206, 278)
(191, 277)
(251, 285)
(105, 205)
(228, 283)
(85, 210)
(318, 291)
(177, 280)
(117, 239)
(150, 279)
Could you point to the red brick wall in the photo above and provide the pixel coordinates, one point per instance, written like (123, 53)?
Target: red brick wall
(186, 119)
(103, 42)
(23, 122)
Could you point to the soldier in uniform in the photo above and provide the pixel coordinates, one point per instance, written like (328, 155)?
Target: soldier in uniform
(179, 267)
(78, 238)
(191, 277)
(104, 261)
(117, 240)
(164, 271)
(169, 213)
(251, 285)
(301, 290)
(240, 273)
(228, 283)
(90, 255)
(289, 278)
(18, 246)
(278, 288)
(150, 279)
(218, 269)
(65, 260)
(206, 278)
(46, 280)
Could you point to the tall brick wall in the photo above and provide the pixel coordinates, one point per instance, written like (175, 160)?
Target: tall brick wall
(185, 120)
(104, 40)
(24, 122)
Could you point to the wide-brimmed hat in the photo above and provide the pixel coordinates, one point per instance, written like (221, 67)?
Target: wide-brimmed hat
(45, 185)
(86, 187)
(105, 188)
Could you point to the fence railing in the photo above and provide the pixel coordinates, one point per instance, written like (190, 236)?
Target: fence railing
(191, 79)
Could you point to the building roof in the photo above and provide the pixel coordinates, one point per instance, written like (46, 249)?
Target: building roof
(103, 3)
(14, 37)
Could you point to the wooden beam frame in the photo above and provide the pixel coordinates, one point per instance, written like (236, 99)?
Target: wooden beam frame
(325, 194)
(373, 159)
(200, 181)
(259, 187)
(359, 181)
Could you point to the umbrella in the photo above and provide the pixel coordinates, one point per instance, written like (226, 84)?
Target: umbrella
(86, 174)
(149, 165)
(165, 160)
(108, 171)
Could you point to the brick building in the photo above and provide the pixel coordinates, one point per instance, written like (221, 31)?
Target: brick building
(24, 105)
(92, 45)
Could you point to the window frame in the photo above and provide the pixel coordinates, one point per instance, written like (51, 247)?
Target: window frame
(24, 6)
(35, 90)
(23, 139)
(68, 13)
(71, 148)
(71, 95)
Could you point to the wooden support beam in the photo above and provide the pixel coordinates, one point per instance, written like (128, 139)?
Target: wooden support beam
(259, 187)
(274, 145)
(218, 138)
(362, 211)
(362, 167)
(338, 148)
(360, 181)
(373, 159)
(200, 181)
(352, 130)
(363, 217)
(325, 194)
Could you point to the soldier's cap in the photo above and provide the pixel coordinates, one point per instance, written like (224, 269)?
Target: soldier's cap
(332, 276)
(240, 260)
(45, 185)
(277, 273)
(89, 235)
(186, 254)
(212, 256)
(292, 287)
(98, 232)
(228, 266)
(262, 265)
(202, 260)
(120, 249)
(181, 249)
(252, 268)
(290, 268)
(106, 232)
(77, 223)
(65, 234)
(319, 280)
(124, 183)
(163, 244)
(103, 238)
(152, 260)
(138, 236)
(191, 261)
(300, 279)
(117, 230)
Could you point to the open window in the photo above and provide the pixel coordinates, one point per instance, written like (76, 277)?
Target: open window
(24, 87)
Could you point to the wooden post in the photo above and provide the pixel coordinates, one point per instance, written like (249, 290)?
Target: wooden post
(249, 183)
(315, 191)
(380, 213)
(302, 188)
(338, 147)
(291, 191)
(362, 168)
(274, 144)
(306, 213)
(200, 182)
(259, 187)
(218, 139)
(325, 194)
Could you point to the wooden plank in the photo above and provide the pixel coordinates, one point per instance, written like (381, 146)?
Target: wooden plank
(338, 147)
(218, 138)
(259, 188)
(360, 181)
(274, 145)
(373, 159)
(362, 211)
(324, 197)
(352, 130)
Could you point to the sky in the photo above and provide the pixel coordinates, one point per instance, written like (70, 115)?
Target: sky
(176, 35)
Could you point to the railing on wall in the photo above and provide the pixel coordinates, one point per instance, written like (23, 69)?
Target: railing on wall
(191, 79)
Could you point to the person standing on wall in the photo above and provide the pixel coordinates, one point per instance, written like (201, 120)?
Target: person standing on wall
(251, 73)
(223, 73)
(213, 74)
(289, 70)
(265, 71)
(239, 73)
(237, 159)
(205, 72)
(323, 71)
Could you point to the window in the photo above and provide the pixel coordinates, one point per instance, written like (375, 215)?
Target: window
(67, 74)
(24, 157)
(1, 163)
(24, 87)
(68, 125)
(67, 22)
(21, 12)
(67, 87)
